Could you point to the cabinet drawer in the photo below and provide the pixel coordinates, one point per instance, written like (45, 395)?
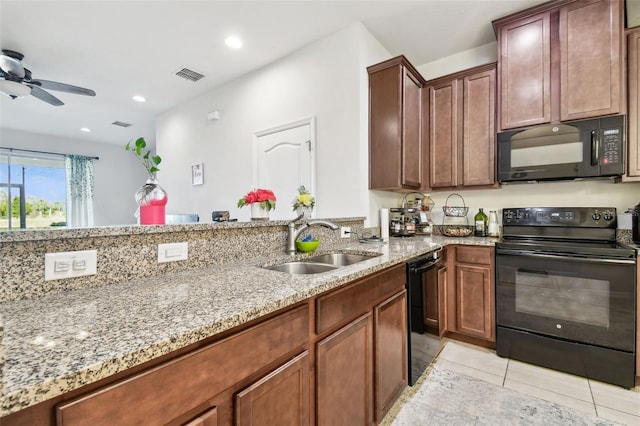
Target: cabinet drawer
(190, 380)
(355, 299)
(477, 255)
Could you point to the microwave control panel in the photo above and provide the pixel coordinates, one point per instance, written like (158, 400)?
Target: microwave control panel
(611, 146)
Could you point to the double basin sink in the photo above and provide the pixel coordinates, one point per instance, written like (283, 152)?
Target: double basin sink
(321, 263)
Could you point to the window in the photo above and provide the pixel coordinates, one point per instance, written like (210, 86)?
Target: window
(32, 190)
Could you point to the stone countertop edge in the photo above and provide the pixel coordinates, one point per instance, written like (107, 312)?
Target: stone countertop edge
(111, 231)
(58, 343)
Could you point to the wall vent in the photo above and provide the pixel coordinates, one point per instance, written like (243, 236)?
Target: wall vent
(190, 75)
(121, 124)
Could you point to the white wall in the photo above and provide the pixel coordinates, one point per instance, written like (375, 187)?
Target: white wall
(326, 80)
(117, 174)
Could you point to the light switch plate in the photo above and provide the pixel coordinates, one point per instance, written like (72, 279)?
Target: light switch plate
(173, 252)
(69, 264)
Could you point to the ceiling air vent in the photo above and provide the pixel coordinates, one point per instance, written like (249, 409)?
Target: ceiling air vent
(190, 75)
(121, 124)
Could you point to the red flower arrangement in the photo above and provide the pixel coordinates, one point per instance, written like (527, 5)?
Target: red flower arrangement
(265, 197)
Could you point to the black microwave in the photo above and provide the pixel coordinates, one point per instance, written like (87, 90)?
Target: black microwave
(592, 148)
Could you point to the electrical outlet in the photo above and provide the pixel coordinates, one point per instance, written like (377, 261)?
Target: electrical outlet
(69, 264)
(172, 252)
(345, 231)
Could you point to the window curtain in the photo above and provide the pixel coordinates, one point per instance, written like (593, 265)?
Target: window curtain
(79, 191)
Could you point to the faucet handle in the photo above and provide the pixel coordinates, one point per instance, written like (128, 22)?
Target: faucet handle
(297, 218)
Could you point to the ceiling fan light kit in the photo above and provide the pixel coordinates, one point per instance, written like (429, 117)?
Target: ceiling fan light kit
(16, 81)
(14, 89)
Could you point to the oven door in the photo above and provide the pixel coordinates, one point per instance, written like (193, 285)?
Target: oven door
(574, 298)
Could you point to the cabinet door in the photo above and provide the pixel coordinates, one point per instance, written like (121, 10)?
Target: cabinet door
(474, 301)
(411, 131)
(344, 389)
(281, 398)
(479, 129)
(210, 418)
(385, 127)
(390, 325)
(443, 134)
(591, 59)
(525, 72)
(633, 123)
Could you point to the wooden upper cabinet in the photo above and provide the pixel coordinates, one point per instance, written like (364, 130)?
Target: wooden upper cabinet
(525, 71)
(591, 59)
(462, 128)
(479, 128)
(411, 131)
(443, 134)
(633, 134)
(561, 61)
(395, 126)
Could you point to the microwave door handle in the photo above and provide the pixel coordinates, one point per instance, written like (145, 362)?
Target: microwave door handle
(595, 145)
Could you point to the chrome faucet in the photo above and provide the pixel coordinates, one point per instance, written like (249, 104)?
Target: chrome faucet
(293, 233)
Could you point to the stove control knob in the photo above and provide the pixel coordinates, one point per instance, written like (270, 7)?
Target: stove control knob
(607, 215)
(596, 216)
(508, 215)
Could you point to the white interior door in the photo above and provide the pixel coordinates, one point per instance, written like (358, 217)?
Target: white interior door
(284, 161)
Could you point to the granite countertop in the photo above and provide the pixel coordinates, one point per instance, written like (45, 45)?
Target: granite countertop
(61, 342)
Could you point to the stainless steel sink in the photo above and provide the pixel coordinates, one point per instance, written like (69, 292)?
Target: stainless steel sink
(302, 267)
(341, 259)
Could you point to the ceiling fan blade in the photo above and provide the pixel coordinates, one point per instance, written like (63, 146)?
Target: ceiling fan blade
(62, 87)
(11, 66)
(45, 96)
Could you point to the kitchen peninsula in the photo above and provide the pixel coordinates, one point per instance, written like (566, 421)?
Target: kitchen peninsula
(61, 346)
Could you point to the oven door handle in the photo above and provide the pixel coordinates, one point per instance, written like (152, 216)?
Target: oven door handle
(426, 267)
(526, 253)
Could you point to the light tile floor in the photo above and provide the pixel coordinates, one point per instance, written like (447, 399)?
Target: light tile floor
(596, 398)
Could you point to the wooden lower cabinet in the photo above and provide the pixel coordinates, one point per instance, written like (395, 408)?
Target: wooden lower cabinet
(280, 398)
(344, 388)
(390, 340)
(339, 358)
(210, 418)
(470, 292)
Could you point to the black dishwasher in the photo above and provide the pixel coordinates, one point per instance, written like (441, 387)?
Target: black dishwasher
(419, 270)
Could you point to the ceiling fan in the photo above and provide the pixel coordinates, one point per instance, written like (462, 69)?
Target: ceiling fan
(16, 81)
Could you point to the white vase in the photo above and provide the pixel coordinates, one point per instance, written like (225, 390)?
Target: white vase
(258, 213)
(305, 212)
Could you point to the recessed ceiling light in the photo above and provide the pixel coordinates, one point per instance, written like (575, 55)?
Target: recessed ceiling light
(139, 98)
(233, 42)
(85, 129)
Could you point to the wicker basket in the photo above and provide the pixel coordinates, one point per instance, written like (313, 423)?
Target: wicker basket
(456, 230)
(455, 211)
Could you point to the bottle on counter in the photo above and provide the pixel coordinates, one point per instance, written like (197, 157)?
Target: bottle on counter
(493, 228)
(480, 222)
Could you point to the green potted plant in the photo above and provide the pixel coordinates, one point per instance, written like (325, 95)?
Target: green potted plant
(151, 197)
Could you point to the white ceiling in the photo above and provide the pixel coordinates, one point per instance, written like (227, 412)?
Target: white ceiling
(122, 48)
